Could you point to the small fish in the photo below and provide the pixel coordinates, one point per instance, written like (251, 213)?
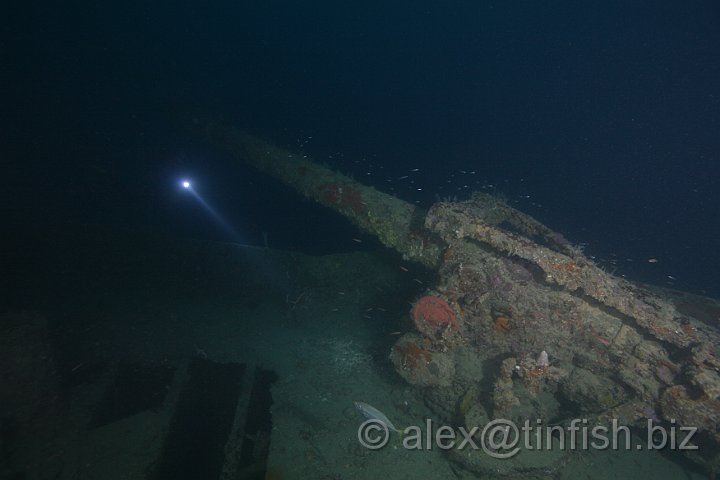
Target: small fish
(372, 413)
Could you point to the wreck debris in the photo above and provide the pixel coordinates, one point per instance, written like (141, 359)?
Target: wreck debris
(619, 349)
(418, 365)
(504, 398)
(678, 404)
(576, 273)
(534, 372)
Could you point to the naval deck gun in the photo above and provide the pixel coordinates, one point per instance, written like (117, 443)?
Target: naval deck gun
(515, 296)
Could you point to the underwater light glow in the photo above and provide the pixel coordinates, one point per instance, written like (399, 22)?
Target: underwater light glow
(187, 185)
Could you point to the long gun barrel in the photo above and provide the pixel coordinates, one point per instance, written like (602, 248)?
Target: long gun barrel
(396, 223)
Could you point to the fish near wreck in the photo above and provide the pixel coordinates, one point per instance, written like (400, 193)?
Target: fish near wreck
(619, 349)
(372, 413)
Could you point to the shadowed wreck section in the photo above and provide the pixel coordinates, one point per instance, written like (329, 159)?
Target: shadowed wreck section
(396, 223)
(515, 299)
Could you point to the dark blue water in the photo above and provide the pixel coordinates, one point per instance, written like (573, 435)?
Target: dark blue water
(599, 119)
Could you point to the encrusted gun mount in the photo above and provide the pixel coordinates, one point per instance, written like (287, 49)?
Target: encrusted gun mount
(618, 348)
(510, 288)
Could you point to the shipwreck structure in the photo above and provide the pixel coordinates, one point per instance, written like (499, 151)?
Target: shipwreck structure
(513, 295)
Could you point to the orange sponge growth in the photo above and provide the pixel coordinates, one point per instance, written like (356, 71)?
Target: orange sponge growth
(434, 317)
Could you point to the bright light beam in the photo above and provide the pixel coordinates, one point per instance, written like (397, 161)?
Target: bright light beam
(187, 185)
(268, 270)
